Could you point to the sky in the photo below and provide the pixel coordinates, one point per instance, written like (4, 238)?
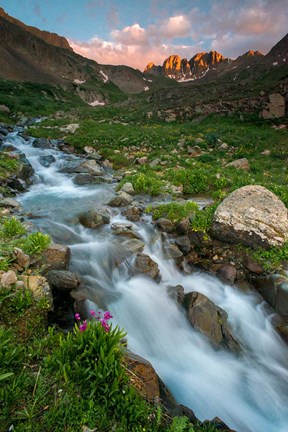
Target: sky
(136, 32)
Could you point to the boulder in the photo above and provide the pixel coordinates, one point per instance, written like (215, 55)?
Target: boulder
(252, 265)
(42, 143)
(210, 320)
(227, 273)
(240, 164)
(176, 293)
(165, 225)
(183, 244)
(142, 375)
(122, 199)
(4, 108)
(124, 230)
(8, 278)
(252, 216)
(63, 280)
(144, 265)
(171, 251)
(93, 218)
(85, 178)
(86, 166)
(39, 287)
(128, 188)
(16, 184)
(10, 203)
(22, 259)
(132, 213)
(56, 257)
(274, 289)
(275, 108)
(25, 170)
(46, 161)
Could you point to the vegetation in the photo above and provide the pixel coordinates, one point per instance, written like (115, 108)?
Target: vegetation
(273, 257)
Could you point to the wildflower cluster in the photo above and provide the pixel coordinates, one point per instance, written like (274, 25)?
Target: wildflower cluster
(103, 319)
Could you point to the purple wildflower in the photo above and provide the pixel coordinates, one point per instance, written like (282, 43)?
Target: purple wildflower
(92, 313)
(77, 317)
(105, 325)
(107, 315)
(83, 326)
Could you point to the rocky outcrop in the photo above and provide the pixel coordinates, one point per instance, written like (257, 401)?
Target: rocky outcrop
(274, 289)
(142, 375)
(252, 216)
(210, 320)
(275, 108)
(144, 265)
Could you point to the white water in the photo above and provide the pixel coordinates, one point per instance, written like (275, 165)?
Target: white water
(248, 392)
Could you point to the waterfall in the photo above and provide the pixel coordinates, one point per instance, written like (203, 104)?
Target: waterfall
(247, 391)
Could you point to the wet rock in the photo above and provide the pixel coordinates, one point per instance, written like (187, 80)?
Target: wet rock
(181, 410)
(124, 230)
(8, 278)
(63, 280)
(242, 164)
(227, 273)
(93, 218)
(16, 184)
(184, 226)
(165, 225)
(177, 293)
(42, 143)
(128, 188)
(25, 170)
(274, 289)
(122, 199)
(39, 287)
(210, 320)
(144, 265)
(252, 216)
(143, 375)
(132, 213)
(10, 203)
(171, 251)
(46, 161)
(133, 245)
(183, 244)
(84, 179)
(56, 257)
(252, 265)
(87, 166)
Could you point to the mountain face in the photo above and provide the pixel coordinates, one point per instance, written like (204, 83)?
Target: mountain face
(183, 70)
(33, 55)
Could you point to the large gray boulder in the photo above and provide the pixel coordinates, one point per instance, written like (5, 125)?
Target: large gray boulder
(210, 320)
(93, 218)
(252, 216)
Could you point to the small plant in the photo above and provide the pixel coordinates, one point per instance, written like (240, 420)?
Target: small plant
(173, 211)
(12, 227)
(36, 243)
(272, 257)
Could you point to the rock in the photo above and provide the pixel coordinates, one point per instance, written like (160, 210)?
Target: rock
(42, 143)
(25, 170)
(224, 146)
(124, 230)
(4, 212)
(142, 160)
(63, 280)
(10, 203)
(8, 278)
(144, 265)
(128, 188)
(227, 273)
(183, 244)
(143, 376)
(16, 184)
(133, 245)
(184, 226)
(56, 257)
(210, 320)
(4, 108)
(252, 216)
(87, 166)
(132, 213)
(275, 108)
(171, 251)
(21, 258)
(181, 410)
(93, 218)
(39, 287)
(165, 225)
(252, 265)
(240, 164)
(85, 178)
(122, 199)
(266, 152)
(70, 128)
(155, 163)
(274, 289)
(46, 161)
(177, 293)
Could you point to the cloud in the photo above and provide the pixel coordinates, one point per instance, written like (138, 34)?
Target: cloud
(229, 26)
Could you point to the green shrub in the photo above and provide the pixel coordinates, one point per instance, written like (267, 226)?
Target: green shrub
(173, 211)
(12, 227)
(36, 242)
(272, 257)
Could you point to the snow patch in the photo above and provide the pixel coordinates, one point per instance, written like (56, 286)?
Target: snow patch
(104, 76)
(144, 79)
(77, 81)
(96, 103)
(152, 81)
(187, 79)
(275, 63)
(248, 67)
(146, 88)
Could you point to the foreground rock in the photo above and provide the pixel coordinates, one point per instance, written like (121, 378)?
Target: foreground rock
(56, 257)
(63, 280)
(252, 216)
(39, 287)
(144, 265)
(210, 320)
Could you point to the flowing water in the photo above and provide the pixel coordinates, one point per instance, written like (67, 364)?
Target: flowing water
(249, 392)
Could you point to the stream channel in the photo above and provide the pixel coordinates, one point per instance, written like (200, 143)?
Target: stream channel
(248, 391)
